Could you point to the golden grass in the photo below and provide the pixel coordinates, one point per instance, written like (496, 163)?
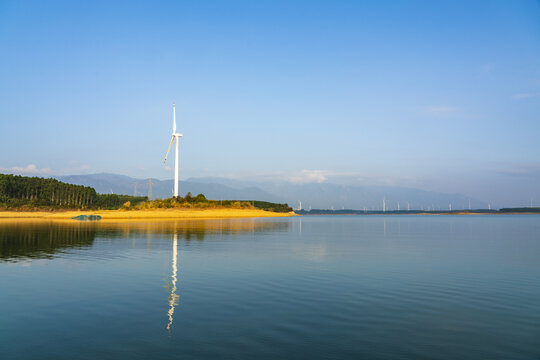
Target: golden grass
(146, 214)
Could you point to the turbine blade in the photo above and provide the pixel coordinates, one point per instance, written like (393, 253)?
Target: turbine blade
(168, 150)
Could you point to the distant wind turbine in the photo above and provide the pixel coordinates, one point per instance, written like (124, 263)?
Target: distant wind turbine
(176, 136)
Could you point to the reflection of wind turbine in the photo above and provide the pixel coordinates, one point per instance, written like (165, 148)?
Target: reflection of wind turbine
(176, 136)
(173, 297)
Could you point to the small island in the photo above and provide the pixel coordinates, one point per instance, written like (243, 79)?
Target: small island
(45, 198)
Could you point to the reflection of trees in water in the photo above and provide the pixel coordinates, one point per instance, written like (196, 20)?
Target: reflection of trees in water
(38, 239)
(190, 229)
(42, 240)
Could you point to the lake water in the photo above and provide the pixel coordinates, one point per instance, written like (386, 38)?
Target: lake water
(314, 287)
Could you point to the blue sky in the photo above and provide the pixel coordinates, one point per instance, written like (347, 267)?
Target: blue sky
(431, 94)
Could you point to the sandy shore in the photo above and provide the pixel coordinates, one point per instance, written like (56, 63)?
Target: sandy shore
(146, 214)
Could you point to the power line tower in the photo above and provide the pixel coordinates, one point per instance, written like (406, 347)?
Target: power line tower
(150, 189)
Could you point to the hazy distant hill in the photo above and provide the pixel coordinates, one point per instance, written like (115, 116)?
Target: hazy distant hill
(328, 195)
(120, 184)
(312, 195)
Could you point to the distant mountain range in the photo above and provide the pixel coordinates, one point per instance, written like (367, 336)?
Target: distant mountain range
(312, 195)
(119, 184)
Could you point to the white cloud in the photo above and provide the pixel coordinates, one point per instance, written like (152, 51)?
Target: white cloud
(309, 176)
(75, 167)
(306, 176)
(526, 95)
(32, 170)
(440, 110)
(29, 169)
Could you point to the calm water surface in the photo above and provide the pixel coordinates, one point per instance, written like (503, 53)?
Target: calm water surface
(373, 287)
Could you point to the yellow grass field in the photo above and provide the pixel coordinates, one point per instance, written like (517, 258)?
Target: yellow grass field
(146, 214)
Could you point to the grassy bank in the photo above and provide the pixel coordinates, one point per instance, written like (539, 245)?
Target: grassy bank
(142, 214)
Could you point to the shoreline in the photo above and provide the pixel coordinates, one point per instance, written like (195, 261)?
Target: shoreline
(427, 213)
(161, 214)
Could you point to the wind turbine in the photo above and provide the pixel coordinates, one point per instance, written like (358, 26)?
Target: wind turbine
(176, 136)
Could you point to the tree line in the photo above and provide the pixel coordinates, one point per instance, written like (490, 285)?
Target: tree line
(18, 191)
(200, 201)
(34, 192)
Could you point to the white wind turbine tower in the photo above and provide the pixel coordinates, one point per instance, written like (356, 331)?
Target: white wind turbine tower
(176, 136)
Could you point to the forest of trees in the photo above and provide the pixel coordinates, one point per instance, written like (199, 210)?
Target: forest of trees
(21, 191)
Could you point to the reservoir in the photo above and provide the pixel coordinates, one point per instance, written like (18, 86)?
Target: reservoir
(312, 287)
